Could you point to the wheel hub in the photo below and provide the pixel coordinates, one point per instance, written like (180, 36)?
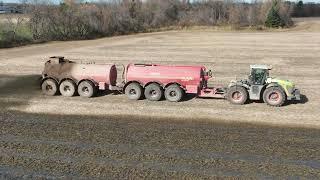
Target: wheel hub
(237, 95)
(49, 87)
(274, 96)
(173, 94)
(132, 92)
(153, 93)
(85, 89)
(67, 88)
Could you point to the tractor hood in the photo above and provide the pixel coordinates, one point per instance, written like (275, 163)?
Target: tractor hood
(287, 85)
(280, 82)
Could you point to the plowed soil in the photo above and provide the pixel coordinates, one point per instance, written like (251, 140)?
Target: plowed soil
(111, 136)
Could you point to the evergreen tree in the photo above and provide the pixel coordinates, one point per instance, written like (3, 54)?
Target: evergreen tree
(299, 9)
(300, 5)
(273, 18)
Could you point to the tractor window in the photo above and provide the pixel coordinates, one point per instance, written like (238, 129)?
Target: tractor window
(258, 76)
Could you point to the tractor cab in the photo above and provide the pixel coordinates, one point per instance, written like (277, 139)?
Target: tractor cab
(259, 74)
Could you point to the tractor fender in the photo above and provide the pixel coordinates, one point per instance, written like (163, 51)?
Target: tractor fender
(277, 85)
(238, 84)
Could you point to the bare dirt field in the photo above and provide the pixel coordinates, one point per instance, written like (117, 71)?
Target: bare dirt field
(111, 136)
(306, 24)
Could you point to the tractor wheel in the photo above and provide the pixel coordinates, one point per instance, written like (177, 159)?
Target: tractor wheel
(49, 87)
(274, 96)
(133, 91)
(237, 95)
(153, 92)
(174, 93)
(67, 88)
(87, 89)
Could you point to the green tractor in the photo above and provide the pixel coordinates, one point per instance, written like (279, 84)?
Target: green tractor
(259, 86)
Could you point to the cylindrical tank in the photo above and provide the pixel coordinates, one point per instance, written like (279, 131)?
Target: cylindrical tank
(98, 72)
(164, 74)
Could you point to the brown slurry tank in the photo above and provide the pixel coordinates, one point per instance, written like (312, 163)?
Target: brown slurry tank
(106, 73)
(67, 77)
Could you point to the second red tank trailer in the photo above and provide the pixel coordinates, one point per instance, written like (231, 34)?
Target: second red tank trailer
(151, 81)
(155, 81)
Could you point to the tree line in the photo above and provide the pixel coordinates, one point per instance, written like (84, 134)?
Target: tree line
(305, 10)
(73, 20)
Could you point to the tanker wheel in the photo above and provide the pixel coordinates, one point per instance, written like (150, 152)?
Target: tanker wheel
(274, 96)
(67, 88)
(237, 95)
(86, 89)
(153, 92)
(49, 87)
(134, 91)
(174, 93)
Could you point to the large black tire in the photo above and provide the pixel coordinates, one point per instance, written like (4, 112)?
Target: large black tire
(49, 87)
(174, 93)
(134, 91)
(153, 92)
(68, 88)
(237, 95)
(274, 96)
(87, 89)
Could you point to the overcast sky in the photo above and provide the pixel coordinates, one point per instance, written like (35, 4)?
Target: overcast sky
(8, 1)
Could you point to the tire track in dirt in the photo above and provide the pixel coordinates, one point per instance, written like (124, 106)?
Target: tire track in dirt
(214, 163)
(7, 172)
(123, 151)
(111, 146)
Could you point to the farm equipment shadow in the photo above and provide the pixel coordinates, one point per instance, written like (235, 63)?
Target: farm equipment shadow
(28, 86)
(106, 93)
(304, 99)
(24, 84)
(187, 97)
(19, 88)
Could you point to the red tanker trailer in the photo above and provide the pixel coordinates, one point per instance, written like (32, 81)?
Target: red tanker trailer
(151, 80)
(173, 82)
